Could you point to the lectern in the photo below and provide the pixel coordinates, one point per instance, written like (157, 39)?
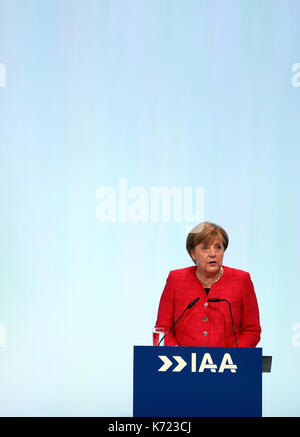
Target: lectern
(197, 382)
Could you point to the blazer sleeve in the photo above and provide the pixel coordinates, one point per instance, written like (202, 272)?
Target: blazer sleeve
(249, 329)
(165, 316)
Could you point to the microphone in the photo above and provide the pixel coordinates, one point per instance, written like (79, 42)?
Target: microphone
(173, 326)
(225, 300)
(191, 304)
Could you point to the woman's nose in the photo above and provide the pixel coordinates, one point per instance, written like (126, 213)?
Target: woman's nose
(212, 251)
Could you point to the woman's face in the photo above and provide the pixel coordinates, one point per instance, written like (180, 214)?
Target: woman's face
(209, 257)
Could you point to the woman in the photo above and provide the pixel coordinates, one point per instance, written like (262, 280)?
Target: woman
(209, 323)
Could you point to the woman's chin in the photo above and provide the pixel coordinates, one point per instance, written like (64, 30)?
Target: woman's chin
(213, 269)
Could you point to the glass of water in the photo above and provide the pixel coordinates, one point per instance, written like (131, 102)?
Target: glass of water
(158, 334)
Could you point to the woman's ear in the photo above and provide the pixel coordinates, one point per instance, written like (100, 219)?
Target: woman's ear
(193, 256)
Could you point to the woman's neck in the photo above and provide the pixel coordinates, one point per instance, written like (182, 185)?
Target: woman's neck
(207, 279)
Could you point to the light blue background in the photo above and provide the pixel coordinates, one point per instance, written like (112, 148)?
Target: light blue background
(168, 93)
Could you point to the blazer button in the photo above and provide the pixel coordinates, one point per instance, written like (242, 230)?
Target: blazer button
(206, 304)
(205, 319)
(205, 333)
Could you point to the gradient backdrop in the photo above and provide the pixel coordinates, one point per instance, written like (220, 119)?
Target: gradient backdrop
(101, 103)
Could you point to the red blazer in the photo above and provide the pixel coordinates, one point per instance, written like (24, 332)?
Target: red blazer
(209, 324)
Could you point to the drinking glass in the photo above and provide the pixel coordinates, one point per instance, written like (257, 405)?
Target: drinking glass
(158, 334)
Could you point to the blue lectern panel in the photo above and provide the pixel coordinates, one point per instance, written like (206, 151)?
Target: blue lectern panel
(196, 381)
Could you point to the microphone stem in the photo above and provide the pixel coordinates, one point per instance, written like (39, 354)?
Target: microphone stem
(232, 323)
(172, 327)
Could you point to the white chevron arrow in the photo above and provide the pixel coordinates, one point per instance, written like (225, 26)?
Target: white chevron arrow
(167, 363)
(181, 363)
